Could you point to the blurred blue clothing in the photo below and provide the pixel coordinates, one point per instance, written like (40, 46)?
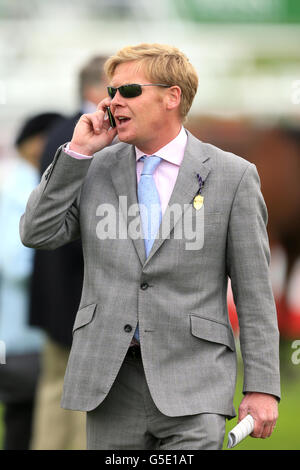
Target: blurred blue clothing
(16, 262)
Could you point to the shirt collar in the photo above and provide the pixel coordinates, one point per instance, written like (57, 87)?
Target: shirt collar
(173, 152)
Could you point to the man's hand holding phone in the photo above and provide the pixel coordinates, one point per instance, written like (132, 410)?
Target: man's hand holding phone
(93, 131)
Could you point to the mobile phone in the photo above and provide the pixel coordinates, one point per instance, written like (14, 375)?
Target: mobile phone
(111, 118)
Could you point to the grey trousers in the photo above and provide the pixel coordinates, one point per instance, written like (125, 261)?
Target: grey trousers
(129, 420)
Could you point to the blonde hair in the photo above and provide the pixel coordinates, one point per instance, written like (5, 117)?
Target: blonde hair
(161, 64)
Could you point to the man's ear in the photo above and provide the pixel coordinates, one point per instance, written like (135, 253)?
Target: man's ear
(173, 97)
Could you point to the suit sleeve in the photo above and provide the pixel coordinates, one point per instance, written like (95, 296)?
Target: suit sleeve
(51, 218)
(248, 257)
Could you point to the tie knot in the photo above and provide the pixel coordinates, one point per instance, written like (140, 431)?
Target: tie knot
(150, 163)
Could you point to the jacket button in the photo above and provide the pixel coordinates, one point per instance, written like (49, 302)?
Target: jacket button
(128, 328)
(144, 286)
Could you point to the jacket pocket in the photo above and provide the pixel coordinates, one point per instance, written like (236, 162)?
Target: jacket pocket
(84, 316)
(212, 330)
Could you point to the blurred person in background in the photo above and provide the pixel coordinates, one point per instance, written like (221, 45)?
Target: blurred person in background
(55, 293)
(18, 376)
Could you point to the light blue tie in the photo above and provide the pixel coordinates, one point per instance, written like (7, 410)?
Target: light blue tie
(150, 208)
(149, 202)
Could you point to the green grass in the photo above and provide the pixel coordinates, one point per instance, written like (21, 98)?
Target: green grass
(286, 435)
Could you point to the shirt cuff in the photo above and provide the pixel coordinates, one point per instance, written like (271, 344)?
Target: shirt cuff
(78, 156)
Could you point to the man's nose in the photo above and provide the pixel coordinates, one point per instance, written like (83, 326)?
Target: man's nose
(117, 100)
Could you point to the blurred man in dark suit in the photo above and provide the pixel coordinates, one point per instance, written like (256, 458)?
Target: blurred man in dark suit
(56, 289)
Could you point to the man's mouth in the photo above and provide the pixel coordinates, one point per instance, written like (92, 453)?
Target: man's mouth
(122, 120)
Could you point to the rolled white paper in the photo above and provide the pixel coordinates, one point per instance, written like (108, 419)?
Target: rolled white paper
(240, 431)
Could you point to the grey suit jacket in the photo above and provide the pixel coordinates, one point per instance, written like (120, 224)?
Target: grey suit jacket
(178, 295)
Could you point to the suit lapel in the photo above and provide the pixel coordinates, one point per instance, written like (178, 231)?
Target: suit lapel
(123, 174)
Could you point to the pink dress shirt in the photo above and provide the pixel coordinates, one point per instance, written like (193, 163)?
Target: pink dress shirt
(166, 173)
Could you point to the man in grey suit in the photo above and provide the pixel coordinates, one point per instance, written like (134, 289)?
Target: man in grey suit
(153, 357)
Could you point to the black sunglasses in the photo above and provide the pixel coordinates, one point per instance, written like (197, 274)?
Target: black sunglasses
(131, 90)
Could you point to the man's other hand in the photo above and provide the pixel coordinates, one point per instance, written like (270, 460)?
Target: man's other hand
(264, 410)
